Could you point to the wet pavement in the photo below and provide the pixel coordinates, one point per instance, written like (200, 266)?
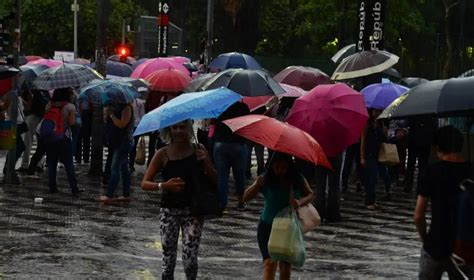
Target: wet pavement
(77, 238)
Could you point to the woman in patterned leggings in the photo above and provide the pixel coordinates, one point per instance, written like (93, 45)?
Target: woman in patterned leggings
(176, 162)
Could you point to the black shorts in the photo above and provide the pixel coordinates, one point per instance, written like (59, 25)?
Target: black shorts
(263, 235)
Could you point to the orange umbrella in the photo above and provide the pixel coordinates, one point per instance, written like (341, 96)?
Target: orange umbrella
(280, 137)
(168, 80)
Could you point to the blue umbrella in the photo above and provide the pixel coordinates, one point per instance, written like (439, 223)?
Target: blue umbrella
(234, 60)
(379, 96)
(108, 91)
(116, 68)
(196, 105)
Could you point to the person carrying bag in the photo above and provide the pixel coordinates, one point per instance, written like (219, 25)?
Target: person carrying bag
(275, 185)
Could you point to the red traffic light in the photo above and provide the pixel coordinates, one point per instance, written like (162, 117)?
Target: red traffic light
(123, 51)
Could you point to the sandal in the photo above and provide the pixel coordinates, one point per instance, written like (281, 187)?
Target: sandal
(124, 199)
(105, 199)
(370, 207)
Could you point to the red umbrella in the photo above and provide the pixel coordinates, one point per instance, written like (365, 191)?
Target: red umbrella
(279, 136)
(334, 115)
(168, 80)
(304, 77)
(255, 102)
(154, 64)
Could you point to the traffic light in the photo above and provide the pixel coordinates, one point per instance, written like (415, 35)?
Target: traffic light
(123, 52)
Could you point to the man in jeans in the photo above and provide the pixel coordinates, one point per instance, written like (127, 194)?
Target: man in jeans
(230, 151)
(440, 185)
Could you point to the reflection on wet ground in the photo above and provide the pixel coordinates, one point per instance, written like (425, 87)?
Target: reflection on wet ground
(77, 238)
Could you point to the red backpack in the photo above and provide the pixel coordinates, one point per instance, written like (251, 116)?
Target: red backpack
(52, 126)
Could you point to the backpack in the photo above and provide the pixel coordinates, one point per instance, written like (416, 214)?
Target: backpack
(463, 247)
(51, 129)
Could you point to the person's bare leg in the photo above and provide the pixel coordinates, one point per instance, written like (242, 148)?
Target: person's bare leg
(269, 269)
(285, 270)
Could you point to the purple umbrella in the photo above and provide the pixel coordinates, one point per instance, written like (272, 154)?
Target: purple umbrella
(140, 61)
(379, 96)
(116, 68)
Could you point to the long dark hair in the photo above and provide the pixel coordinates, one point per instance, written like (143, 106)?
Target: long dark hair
(291, 175)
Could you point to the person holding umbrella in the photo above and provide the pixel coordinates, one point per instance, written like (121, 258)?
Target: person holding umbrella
(275, 185)
(177, 162)
(119, 129)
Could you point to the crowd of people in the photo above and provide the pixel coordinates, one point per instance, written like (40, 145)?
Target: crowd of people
(174, 153)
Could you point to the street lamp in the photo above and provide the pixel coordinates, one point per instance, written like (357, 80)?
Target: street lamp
(75, 9)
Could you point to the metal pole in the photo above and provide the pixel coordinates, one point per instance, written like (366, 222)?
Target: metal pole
(210, 17)
(123, 32)
(10, 177)
(75, 9)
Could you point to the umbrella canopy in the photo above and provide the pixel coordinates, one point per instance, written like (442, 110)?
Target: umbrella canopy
(196, 105)
(412, 82)
(30, 72)
(440, 98)
(140, 61)
(168, 80)
(139, 84)
(117, 95)
(179, 59)
(257, 101)
(93, 91)
(468, 73)
(197, 83)
(292, 91)
(334, 115)
(379, 96)
(155, 64)
(129, 60)
(343, 53)
(364, 63)
(80, 61)
(245, 82)
(33, 57)
(190, 66)
(66, 75)
(304, 77)
(234, 60)
(392, 73)
(279, 136)
(48, 62)
(116, 68)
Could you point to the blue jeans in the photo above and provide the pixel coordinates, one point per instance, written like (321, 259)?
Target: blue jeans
(227, 155)
(372, 169)
(120, 167)
(61, 151)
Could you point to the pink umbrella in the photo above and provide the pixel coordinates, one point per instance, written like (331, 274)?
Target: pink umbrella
(154, 64)
(47, 62)
(292, 91)
(334, 115)
(33, 57)
(304, 77)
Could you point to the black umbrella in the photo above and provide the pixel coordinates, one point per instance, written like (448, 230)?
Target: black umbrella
(392, 73)
(412, 82)
(245, 82)
(440, 98)
(7, 72)
(343, 53)
(364, 63)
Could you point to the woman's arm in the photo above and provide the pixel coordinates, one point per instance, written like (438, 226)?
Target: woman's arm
(156, 165)
(124, 120)
(308, 194)
(206, 162)
(71, 116)
(253, 190)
